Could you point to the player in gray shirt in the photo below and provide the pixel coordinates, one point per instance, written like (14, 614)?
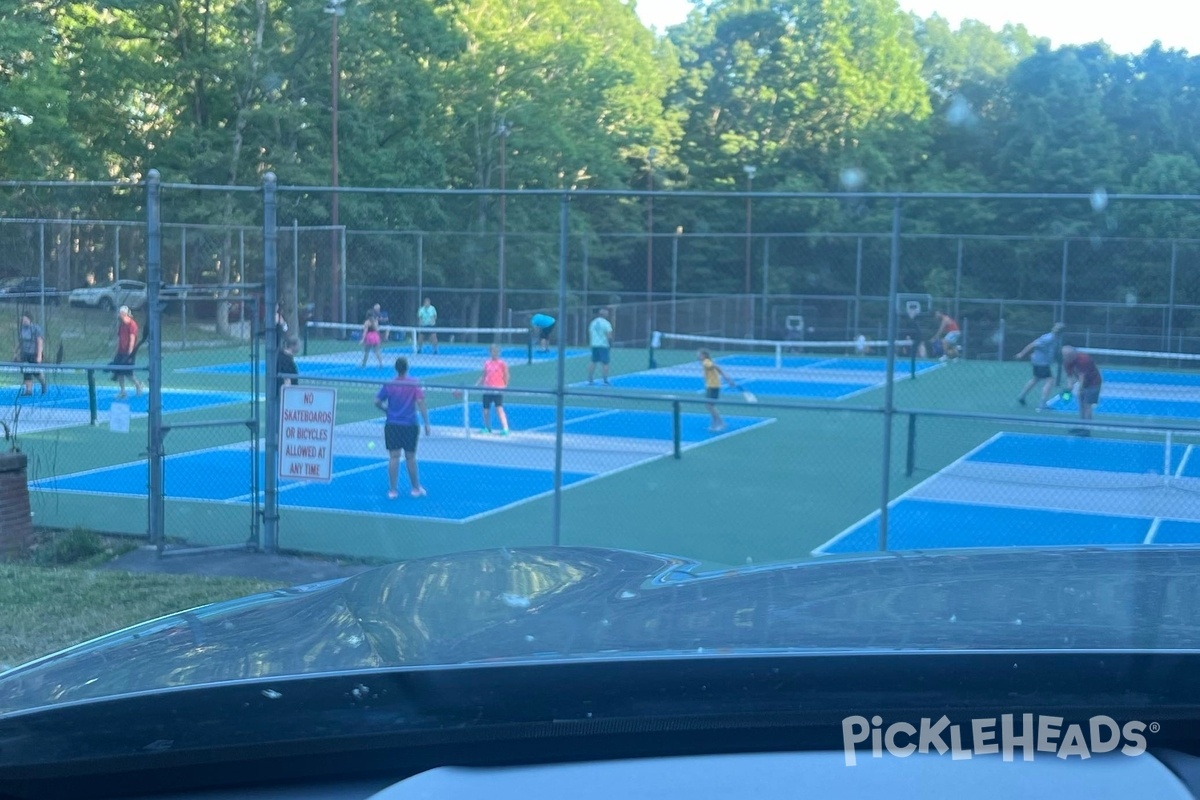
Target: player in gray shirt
(30, 343)
(1041, 356)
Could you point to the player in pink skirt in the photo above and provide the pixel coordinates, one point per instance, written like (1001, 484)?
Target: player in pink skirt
(371, 341)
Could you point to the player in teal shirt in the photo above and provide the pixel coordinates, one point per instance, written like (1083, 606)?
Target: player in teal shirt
(427, 318)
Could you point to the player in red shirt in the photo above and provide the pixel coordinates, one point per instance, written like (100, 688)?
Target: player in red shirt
(127, 344)
(1084, 375)
(949, 334)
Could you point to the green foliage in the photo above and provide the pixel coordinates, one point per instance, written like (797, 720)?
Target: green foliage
(220, 92)
(77, 547)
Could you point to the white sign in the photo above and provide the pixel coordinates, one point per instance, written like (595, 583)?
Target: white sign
(118, 417)
(306, 422)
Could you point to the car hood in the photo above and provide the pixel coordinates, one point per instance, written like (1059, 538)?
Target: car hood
(586, 603)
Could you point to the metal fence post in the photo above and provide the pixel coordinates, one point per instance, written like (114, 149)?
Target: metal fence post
(766, 276)
(270, 528)
(420, 269)
(858, 264)
(958, 265)
(890, 386)
(342, 274)
(156, 506)
(295, 318)
(1171, 293)
(1062, 301)
(561, 376)
(675, 278)
(583, 318)
(183, 306)
(41, 270)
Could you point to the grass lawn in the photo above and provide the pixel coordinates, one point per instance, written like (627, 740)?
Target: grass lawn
(44, 609)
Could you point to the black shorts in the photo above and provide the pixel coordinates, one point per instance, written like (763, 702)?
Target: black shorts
(30, 359)
(600, 355)
(1041, 371)
(712, 392)
(1089, 395)
(546, 331)
(400, 437)
(493, 399)
(121, 360)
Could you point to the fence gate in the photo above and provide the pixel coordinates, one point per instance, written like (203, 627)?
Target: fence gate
(208, 429)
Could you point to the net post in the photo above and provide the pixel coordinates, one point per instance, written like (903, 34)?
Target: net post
(778, 356)
(1167, 460)
(91, 389)
(466, 409)
(307, 328)
(529, 346)
(910, 457)
(677, 429)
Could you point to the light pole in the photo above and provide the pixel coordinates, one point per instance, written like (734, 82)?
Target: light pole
(502, 130)
(650, 154)
(749, 170)
(335, 9)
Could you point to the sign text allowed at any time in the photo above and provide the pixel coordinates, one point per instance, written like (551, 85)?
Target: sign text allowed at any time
(306, 422)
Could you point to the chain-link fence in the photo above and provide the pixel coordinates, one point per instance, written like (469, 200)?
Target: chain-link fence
(730, 404)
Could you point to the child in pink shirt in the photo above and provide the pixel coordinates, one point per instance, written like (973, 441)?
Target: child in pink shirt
(495, 378)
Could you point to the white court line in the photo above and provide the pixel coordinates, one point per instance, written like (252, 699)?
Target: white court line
(892, 503)
(907, 376)
(815, 364)
(1150, 534)
(566, 422)
(245, 498)
(1183, 461)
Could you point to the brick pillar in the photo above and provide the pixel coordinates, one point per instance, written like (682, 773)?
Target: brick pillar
(16, 524)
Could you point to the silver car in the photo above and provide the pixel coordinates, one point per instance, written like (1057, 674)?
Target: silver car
(110, 296)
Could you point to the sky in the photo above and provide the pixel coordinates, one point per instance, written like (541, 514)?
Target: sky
(1126, 27)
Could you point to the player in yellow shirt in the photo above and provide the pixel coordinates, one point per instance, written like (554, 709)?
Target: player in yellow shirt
(713, 376)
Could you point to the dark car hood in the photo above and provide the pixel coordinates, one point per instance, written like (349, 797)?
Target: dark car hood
(571, 603)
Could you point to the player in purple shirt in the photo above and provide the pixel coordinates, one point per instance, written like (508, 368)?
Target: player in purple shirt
(402, 399)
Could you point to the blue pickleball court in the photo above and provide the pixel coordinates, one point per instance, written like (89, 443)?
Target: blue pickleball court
(1020, 490)
(466, 476)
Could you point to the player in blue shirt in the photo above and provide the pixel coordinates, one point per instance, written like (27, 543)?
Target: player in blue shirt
(543, 325)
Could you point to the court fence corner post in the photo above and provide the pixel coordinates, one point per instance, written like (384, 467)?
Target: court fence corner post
(889, 395)
(156, 501)
(270, 518)
(560, 382)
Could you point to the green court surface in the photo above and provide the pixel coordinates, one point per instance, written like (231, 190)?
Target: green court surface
(771, 492)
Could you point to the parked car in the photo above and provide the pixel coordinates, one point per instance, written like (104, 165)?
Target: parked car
(110, 296)
(26, 290)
